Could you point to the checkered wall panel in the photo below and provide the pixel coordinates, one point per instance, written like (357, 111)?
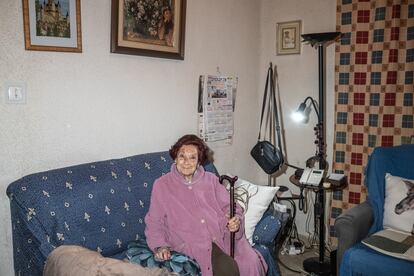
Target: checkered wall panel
(373, 88)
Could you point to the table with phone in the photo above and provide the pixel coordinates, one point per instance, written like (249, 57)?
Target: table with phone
(329, 184)
(315, 180)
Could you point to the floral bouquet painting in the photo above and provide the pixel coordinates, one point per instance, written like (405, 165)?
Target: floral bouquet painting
(154, 28)
(149, 21)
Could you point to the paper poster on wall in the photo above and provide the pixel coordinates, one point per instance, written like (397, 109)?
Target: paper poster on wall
(216, 103)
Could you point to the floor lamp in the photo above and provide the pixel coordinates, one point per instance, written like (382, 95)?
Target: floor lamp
(319, 265)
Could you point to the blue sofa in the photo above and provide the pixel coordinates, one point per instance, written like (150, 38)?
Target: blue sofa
(366, 218)
(100, 206)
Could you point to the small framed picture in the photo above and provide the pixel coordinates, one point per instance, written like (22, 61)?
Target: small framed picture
(148, 28)
(288, 37)
(52, 25)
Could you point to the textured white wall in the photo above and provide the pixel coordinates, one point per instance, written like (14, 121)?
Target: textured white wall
(298, 77)
(96, 105)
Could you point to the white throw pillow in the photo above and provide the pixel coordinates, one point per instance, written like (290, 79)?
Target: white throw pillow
(255, 199)
(395, 191)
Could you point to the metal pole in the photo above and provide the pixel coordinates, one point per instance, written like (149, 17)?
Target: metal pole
(321, 144)
(232, 211)
(321, 84)
(313, 265)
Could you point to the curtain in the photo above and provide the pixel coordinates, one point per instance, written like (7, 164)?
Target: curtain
(374, 64)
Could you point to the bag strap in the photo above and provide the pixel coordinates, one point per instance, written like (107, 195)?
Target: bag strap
(269, 75)
(276, 113)
(272, 101)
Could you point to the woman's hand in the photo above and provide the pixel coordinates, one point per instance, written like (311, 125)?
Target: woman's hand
(233, 224)
(163, 253)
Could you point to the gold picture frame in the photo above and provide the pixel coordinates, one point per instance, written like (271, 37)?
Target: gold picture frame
(155, 30)
(52, 25)
(288, 37)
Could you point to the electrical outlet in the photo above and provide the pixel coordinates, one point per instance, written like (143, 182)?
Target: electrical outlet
(15, 93)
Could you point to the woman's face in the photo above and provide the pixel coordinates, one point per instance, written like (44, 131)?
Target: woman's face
(167, 15)
(187, 161)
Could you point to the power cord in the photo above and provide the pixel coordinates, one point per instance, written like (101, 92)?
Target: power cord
(292, 245)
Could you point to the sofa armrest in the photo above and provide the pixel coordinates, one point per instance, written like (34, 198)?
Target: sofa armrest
(266, 229)
(351, 227)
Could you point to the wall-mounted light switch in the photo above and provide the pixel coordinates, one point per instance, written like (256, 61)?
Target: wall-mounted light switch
(15, 93)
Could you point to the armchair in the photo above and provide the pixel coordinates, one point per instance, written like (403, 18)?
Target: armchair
(357, 223)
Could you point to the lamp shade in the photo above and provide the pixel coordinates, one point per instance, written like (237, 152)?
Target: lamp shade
(316, 38)
(299, 114)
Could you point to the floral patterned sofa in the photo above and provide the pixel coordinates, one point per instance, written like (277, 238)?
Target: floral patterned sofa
(100, 206)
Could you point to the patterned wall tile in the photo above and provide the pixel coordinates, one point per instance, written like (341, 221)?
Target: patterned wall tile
(373, 90)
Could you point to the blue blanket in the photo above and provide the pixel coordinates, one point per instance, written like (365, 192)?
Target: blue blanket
(139, 253)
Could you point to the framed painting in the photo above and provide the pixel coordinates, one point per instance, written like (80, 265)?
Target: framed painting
(288, 38)
(149, 28)
(52, 25)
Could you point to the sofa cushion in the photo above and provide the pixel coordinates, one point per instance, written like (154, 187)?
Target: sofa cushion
(261, 234)
(255, 199)
(395, 190)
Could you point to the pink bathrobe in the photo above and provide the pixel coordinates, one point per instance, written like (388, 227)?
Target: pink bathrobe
(189, 217)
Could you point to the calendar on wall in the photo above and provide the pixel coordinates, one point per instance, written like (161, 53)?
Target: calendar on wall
(216, 103)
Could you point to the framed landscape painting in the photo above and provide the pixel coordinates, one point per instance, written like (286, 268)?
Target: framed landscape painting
(288, 38)
(52, 25)
(154, 28)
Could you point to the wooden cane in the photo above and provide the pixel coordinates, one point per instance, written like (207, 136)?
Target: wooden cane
(231, 180)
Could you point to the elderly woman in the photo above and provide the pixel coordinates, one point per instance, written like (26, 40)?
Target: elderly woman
(189, 213)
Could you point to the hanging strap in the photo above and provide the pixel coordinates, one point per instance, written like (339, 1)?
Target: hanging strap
(269, 75)
(272, 101)
(273, 92)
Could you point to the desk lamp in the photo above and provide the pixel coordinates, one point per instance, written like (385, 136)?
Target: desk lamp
(318, 265)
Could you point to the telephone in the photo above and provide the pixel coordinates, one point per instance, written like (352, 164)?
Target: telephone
(311, 176)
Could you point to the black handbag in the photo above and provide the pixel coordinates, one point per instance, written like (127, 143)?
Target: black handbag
(268, 156)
